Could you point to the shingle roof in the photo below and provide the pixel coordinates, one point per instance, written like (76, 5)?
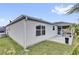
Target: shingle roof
(62, 23)
(17, 19)
(37, 19)
(28, 18)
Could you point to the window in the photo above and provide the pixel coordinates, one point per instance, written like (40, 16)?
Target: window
(65, 27)
(38, 27)
(43, 30)
(40, 30)
(53, 27)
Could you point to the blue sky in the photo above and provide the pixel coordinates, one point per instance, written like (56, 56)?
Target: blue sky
(52, 12)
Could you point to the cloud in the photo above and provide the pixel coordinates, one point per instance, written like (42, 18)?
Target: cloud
(2, 20)
(61, 9)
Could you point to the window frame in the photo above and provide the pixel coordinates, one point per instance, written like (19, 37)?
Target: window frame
(41, 30)
(38, 30)
(53, 27)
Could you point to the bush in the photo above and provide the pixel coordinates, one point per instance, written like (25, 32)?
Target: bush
(76, 51)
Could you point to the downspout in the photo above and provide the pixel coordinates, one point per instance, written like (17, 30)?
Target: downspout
(25, 33)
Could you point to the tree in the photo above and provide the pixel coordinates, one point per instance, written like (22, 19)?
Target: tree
(74, 9)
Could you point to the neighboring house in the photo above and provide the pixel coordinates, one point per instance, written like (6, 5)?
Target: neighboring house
(2, 31)
(26, 31)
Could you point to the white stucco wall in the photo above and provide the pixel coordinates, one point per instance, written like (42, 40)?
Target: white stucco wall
(61, 39)
(70, 40)
(16, 32)
(31, 32)
(24, 33)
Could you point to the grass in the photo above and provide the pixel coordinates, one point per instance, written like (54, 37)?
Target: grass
(8, 46)
(75, 45)
(49, 48)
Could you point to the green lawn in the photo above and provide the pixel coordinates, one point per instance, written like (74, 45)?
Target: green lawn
(75, 45)
(49, 48)
(8, 46)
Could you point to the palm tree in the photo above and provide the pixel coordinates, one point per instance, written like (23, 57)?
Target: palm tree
(74, 9)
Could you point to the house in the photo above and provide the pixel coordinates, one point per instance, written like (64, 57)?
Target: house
(27, 31)
(64, 32)
(2, 31)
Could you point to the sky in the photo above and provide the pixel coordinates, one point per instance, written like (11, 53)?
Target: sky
(51, 12)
